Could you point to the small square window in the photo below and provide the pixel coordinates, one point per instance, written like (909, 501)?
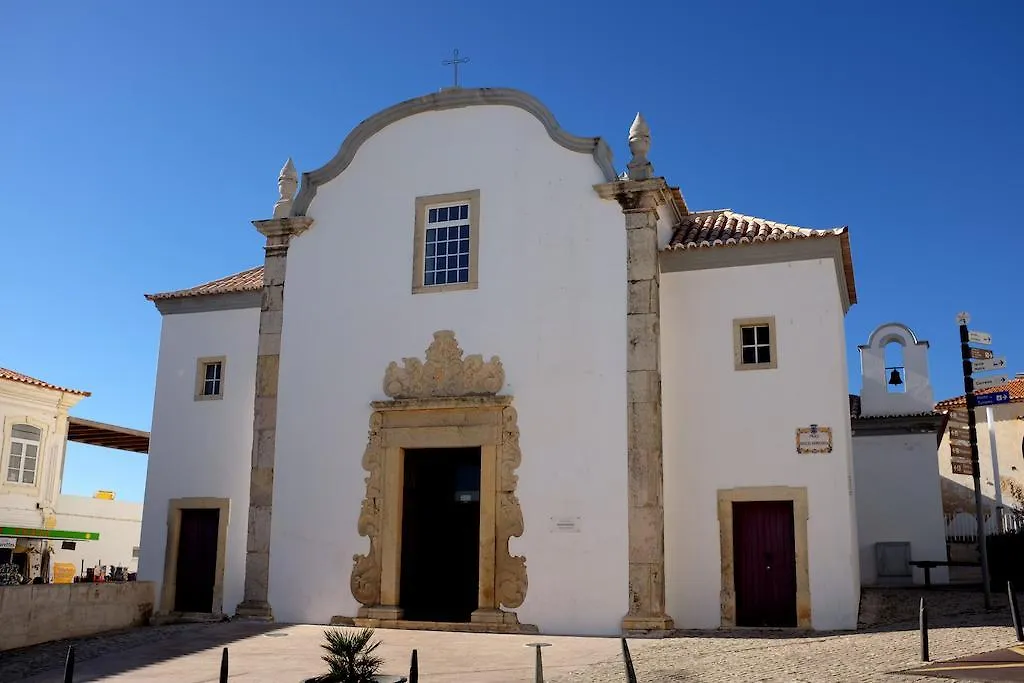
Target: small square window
(210, 378)
(446, 234)
(754, 343)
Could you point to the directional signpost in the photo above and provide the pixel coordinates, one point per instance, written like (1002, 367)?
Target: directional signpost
(979, 337)
(993, 399)
(989, 382)
(987, 364)
(959, 443)
(981, 354)
(963, 431)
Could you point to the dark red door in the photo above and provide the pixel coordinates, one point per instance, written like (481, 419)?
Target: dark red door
(197, 560)
(764, 563)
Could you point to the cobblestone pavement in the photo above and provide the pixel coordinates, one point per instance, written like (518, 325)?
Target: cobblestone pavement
(20, 664)
(861, 657)
(189, 653)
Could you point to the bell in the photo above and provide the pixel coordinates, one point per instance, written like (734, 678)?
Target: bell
(894, 378)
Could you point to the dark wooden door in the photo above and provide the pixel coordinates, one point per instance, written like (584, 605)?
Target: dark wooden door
(440, 565)
(197, 560)
(764, 563)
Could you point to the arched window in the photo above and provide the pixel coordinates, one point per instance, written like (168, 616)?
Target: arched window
(895, 373)
(24, 456)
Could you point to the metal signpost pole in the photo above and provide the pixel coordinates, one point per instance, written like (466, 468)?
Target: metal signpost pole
(990, 422)
(965, 355)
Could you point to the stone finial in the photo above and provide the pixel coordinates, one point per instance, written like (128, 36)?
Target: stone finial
(287, 183)
(639, 145)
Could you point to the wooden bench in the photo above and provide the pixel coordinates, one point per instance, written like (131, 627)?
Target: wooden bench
(928, 565)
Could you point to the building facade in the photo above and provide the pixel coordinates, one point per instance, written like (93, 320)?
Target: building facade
(495, 383)
(1000, 425)
(42, 528)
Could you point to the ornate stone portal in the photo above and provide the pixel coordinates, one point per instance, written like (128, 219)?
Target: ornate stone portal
(445, 402)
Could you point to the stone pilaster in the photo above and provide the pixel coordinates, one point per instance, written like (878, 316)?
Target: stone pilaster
(640, 194)
(278, 232)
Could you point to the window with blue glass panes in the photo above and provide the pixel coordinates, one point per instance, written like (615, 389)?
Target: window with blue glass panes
(446, 252)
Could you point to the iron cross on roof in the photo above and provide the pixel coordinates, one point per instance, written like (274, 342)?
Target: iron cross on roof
(455, 61)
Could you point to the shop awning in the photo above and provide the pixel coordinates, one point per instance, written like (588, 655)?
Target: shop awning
(108, 436)
(51, 534)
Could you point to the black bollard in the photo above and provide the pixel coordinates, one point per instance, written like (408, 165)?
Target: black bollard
(924, 632)
(224, 666)
(538, 667)
(414, 668)
(1015, 612)
(69, 665)
(630, 672)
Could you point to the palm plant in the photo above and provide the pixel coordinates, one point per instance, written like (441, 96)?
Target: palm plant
(349, 657)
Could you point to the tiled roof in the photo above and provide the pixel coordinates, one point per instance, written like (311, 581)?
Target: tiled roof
(247, 281)
(25, 379)
(1015, 386)
(725, 228)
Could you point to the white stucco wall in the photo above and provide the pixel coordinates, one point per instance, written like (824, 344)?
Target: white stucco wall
(551, 304)
(118, 523)
(898, 499)
(725, 428)
(201, 448)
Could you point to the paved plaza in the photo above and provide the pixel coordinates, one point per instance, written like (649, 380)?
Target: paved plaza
(264, 653)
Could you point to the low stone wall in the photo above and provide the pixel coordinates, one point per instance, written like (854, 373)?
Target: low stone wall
(40, 613)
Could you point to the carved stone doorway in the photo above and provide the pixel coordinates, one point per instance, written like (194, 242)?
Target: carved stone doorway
(446, 402)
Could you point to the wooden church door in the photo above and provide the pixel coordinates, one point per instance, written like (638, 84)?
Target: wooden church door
(764, 564)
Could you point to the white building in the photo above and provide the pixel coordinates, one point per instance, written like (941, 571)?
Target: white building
(40, 527)
(643, 388)
(899, 501)
(1000, 430)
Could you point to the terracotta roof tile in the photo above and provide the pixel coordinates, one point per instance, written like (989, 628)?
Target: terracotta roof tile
(25, 379)
(1015, 386)
(247, 281)
(726, 228)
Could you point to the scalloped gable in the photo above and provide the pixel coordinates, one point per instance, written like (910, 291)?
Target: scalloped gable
(455, 98)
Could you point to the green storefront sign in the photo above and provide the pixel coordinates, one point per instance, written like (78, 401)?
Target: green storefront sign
(52, 534)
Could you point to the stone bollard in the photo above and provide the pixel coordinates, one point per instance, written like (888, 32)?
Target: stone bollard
(630, 671)
(539, 666)
(924, 632)
(69, 665)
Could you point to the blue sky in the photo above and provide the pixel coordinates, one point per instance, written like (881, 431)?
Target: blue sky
(140, 138)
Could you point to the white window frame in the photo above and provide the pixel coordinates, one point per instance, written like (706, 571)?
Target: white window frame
(738, 325)
(5, 456)
(422, 224)
(201, 365)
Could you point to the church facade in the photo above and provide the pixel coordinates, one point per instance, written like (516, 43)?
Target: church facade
(483, 381)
